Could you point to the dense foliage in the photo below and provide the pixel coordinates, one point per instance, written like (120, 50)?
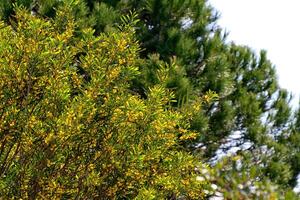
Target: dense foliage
(69, 134)
(87, 111)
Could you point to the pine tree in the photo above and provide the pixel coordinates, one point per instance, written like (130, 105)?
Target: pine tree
(245, 82)
(185, 35)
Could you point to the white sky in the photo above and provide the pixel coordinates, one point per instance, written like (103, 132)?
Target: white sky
(273, 25)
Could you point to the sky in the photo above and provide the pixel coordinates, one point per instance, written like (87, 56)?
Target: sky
(272, 25)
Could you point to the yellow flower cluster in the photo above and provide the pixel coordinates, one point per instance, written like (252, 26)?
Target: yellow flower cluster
(66, 134)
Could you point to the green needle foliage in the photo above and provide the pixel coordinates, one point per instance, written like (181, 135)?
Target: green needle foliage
(183, 37)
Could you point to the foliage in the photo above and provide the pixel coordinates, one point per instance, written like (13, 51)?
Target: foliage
(181, 41)
(236, 177)
(70, 126)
